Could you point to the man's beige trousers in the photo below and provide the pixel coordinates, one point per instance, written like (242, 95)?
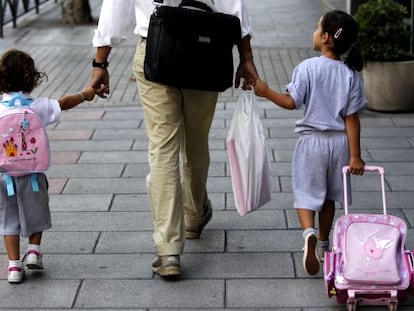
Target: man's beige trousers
(178, 123)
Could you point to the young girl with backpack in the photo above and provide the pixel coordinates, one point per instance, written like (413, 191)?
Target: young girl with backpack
(330, 90)
(24, 208)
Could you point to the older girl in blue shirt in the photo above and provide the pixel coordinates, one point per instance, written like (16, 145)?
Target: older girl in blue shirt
(330, 91)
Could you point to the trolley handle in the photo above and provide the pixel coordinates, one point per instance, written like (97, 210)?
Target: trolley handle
(368, 168)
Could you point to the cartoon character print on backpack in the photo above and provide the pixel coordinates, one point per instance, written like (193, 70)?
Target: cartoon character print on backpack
(24, 127)
(10, 145)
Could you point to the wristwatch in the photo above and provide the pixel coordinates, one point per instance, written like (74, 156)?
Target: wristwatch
(103, 65)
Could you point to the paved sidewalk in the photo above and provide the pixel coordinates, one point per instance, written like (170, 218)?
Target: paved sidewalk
(98, 253)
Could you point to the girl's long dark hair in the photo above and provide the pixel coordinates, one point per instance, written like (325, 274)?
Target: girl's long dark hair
(18, 72)
(343, 29)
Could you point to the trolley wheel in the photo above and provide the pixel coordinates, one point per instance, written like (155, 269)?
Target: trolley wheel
(351, 306)
(392, 306)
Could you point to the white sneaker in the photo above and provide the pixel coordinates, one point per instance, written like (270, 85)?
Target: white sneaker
(33, 260)
(15, 274)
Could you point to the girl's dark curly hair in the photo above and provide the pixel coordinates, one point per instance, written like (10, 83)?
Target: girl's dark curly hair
(18, 72)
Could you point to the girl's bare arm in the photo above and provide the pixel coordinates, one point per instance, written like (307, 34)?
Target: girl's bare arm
(282, 100)
(70, 101)
(353, 132)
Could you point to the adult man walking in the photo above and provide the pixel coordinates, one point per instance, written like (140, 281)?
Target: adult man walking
(178, 122)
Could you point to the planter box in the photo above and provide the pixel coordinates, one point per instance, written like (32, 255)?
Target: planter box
(389, 86)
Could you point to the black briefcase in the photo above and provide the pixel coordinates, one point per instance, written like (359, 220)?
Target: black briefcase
(191, 48)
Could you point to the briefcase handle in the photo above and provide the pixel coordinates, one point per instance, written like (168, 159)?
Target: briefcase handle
(196, 4)
(188, 3)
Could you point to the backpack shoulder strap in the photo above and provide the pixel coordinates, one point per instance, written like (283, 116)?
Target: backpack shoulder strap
(10, 184)
(20, 98)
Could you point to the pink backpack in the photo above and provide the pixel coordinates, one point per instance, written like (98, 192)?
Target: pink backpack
(368, 254)
(25, 146)
(372, 250)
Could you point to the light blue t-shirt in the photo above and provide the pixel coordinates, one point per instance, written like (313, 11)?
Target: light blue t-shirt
(328, 90)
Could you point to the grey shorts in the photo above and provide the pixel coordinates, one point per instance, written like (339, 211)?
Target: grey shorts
(317, 169)
(27, 212)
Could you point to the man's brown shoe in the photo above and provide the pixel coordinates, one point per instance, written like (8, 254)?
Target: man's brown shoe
(194, 233)
(167, 266)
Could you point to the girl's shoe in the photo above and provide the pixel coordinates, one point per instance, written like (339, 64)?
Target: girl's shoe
(33, 260)
(310, 255)
(16, 274)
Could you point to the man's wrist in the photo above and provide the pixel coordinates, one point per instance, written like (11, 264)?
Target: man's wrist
(245, 50)
(96, 64)
(246, 56)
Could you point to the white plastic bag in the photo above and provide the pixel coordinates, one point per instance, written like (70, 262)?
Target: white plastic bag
(248, 156)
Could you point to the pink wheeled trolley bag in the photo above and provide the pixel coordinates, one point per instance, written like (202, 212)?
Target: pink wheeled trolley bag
(368, 263)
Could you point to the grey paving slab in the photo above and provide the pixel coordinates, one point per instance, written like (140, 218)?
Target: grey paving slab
(114, 157)
(101, 221)
(101, 185)
(220, 309)
(75, 309)
(87, 170)
(80, 202)
(238, 265)
(404, 120)
(392, 155)
(264, 218)
(113, 134)
(125, 242)
(112, 124)
(385, 143)
(115, 114)
(280, 200)
(409, 214)
(219, 184)
(263, 241)
(281, 168)
(130, 202)
(136, 170)
(293, 223)
(69, 243)
(371, 200)
(281, 143)
(151, 294)
(92, 145)
(387, 132)
(140, 144)
(280, 293)
(401, 183)
(39, 293)
(95, 266)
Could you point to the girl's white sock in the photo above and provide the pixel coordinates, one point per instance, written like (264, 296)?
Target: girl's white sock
(324, 244)
(308, 231)
(33, 247)
(15, 263)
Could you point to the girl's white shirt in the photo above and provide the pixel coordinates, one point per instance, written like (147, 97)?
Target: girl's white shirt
(117, 18)
(48, 109)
